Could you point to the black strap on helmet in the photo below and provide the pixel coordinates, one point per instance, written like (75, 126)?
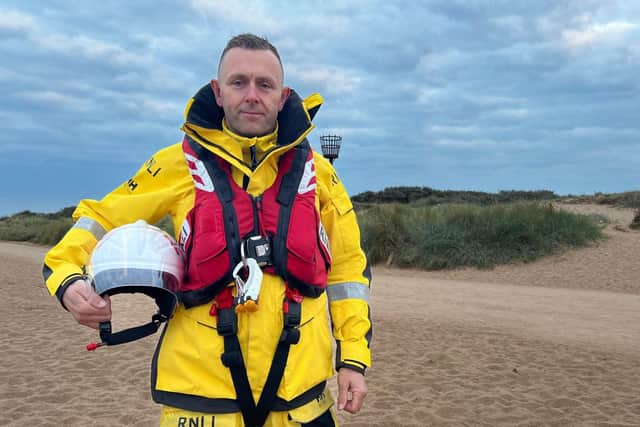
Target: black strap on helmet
(110, 338)
(166, 304)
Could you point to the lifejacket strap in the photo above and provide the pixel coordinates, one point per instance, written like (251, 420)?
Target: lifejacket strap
(222, 187)
(227, 326)
(292, 309)
(286, 194)
(227, 323)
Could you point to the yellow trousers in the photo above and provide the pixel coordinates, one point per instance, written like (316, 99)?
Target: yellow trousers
(176, 417)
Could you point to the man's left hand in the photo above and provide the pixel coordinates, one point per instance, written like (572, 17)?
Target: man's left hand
(352, 390)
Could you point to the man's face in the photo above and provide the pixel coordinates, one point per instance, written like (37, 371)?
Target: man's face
(249, 89)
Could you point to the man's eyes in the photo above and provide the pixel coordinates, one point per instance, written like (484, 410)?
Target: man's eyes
(262, 85)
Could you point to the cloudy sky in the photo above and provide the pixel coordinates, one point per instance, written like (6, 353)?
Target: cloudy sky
(452, 94)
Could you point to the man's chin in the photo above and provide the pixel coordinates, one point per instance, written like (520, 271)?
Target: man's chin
(252, 132)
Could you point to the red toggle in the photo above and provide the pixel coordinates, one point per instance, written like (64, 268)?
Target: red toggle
(294, 295)
(224, 299)
(93, 345)
(213, 311)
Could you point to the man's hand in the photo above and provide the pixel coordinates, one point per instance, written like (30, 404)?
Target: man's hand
(352, 390)
(86, 306)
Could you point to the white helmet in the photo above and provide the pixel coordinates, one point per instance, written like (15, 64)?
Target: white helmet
(135, 258)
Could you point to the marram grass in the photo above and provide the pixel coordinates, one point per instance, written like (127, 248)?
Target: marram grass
(449, 236)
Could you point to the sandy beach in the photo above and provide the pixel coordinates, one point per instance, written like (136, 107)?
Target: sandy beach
(550, 343)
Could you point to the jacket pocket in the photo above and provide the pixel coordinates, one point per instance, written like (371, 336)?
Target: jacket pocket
(189, 356)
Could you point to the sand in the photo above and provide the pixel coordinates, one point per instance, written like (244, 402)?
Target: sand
(551, 343)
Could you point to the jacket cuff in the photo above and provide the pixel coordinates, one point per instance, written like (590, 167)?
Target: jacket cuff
(63, 288)
(352, 365)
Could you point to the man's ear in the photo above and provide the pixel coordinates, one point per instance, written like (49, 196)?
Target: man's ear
(216, 91)
(283, 97)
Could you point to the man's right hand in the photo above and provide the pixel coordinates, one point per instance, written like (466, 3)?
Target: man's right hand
(86, 306)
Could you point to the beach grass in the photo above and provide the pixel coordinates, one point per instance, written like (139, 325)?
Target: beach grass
(457, 235)
(26, 226)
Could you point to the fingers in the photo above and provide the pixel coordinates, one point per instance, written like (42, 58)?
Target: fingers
(343, 391)
(92, 298)
(355, 404)
(86, 306)
(352, 389)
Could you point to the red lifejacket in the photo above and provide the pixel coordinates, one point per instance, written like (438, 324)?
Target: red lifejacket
(224, 214)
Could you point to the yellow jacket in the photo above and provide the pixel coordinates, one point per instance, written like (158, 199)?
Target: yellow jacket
(187, 371)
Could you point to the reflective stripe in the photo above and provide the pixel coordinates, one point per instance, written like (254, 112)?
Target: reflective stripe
(92, 226)
(341, 291)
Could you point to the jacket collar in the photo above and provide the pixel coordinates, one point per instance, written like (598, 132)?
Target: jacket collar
(261, 143)
(293, 121)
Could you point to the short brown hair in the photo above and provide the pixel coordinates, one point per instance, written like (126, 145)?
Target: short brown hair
(249, 41)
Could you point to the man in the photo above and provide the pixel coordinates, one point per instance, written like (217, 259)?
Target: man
(242, 184)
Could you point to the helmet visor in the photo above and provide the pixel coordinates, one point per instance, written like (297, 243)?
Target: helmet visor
(120, 277)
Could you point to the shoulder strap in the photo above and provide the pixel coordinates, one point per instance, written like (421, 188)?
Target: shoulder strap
(222, 188)
(286, 195)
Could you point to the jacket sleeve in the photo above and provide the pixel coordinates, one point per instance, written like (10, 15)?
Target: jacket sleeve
(161, 186)
(350, 277)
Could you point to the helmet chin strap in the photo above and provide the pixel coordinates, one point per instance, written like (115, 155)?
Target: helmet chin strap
(110, 338)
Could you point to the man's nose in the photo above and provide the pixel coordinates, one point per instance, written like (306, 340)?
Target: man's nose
(252, 93)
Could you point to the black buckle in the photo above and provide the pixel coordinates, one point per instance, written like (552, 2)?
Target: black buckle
(232, 359)
(290, 336)
(293, 316)
(105, 331)
(227, 323)
(158, 318)
(258, 248)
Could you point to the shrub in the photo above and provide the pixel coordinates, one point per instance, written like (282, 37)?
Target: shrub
(635, 223)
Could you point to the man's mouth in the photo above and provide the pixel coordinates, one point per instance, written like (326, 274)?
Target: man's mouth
(251, 113)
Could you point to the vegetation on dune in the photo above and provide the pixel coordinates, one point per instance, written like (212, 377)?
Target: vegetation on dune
(429, 197)
(28, 226)
(48, 228)
(635, 224)
(628, 199)
(457, 235)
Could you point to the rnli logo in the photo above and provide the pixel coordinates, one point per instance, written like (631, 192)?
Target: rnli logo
(308, 181)
(201, 178)
(201, 421)
(185, 232)
(324, 239)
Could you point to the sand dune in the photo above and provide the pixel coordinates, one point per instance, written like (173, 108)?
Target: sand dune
(551, 343)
